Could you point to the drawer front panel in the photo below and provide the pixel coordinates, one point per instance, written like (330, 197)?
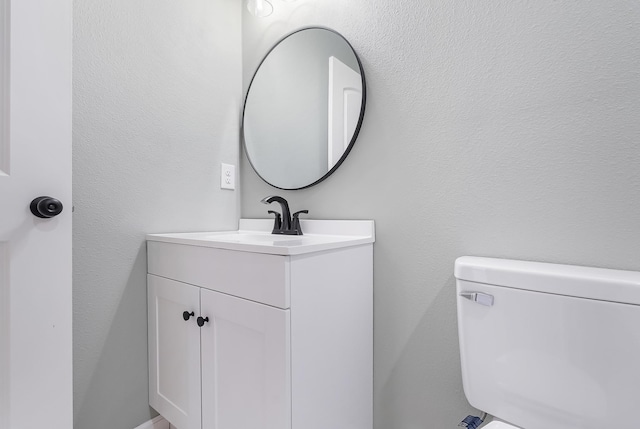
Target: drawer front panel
(259, 277)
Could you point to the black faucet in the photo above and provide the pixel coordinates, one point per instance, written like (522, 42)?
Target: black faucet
(288, 225)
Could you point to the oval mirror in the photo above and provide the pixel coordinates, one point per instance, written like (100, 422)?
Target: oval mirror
(304, 108)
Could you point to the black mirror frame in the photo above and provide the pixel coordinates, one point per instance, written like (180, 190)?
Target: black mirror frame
(355, 133)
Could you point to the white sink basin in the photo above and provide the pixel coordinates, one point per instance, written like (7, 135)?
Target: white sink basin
(254, 235)
(262, 238)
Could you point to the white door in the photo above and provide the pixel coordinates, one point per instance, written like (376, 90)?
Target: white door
(345, 102)
(246, 364)
(174, 351)
(35, 253)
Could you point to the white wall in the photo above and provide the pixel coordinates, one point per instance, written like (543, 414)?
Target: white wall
(494, 128)
(156, 108)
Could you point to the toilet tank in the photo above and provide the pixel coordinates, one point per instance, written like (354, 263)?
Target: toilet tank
(547, 346)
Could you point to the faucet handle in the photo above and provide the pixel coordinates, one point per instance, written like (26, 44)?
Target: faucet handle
(296, 222)
(277, 222)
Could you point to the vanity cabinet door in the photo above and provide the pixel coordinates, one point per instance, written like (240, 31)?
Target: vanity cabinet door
(174, 351)
(246, 364)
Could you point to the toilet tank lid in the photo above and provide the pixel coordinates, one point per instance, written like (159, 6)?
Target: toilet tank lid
(570, 280)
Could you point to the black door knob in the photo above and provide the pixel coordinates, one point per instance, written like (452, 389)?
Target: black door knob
(202, 321)
(186, 315)
(46, 207)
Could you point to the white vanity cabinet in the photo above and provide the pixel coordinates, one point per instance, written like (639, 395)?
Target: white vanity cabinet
(287, 332)
(236, 362)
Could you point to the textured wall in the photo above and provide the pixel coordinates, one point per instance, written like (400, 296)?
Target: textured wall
(156, 107)
(496, 128)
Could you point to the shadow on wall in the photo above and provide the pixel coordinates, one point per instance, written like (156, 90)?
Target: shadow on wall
(123, 354)
(404, 396)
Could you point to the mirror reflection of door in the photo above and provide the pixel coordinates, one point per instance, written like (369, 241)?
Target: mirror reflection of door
(345, 101)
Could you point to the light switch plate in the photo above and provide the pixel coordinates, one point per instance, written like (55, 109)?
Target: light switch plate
(227, 176)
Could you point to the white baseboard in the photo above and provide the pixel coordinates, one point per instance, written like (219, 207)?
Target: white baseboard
(156, 423)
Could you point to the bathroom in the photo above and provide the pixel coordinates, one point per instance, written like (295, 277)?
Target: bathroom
(500, 128)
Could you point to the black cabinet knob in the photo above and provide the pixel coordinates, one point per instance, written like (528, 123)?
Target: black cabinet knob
(186, 315)
(202, 321)
(46, 207)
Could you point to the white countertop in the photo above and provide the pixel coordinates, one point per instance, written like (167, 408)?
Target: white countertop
(254, 235)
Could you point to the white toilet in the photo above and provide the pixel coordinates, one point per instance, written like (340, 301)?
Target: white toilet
(547, 346)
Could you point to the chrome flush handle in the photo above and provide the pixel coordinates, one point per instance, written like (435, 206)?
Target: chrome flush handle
(479, 297)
